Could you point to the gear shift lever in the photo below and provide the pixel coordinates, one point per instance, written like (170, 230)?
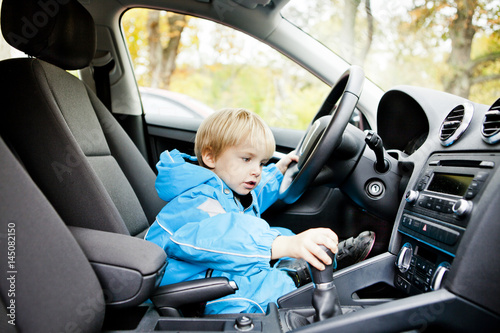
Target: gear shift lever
(325, 297)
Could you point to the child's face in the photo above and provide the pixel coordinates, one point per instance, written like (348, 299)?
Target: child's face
(240, 167)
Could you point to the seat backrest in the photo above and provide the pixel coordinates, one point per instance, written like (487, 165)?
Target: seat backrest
(47, 285)
(70, 144)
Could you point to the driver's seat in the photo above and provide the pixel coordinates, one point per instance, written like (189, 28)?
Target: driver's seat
(70, 144)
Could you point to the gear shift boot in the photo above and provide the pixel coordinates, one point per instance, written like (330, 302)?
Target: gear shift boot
(325, 299)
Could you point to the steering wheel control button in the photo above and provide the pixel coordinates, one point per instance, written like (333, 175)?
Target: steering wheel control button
(244, 324)
(375, 188)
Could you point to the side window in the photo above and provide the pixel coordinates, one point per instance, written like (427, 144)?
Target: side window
(187, 66)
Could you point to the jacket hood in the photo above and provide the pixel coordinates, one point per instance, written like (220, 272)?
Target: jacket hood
(175, 175)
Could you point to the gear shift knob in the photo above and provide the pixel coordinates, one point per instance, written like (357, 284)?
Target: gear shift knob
(325, 297)
(326, 275)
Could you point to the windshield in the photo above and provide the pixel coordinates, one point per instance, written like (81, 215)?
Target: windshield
(449, 45)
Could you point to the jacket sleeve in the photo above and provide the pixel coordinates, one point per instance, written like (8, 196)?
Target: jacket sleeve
(268, 189)
(231, 242)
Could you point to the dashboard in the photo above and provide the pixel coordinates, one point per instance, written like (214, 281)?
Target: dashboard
(447, 226)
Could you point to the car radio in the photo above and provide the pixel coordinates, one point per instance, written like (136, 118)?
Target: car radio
(435, 216)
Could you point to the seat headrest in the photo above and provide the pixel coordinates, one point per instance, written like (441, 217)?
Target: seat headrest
(61, 32)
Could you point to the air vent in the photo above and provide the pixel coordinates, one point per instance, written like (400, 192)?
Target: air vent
(491, 124)
(455, 124)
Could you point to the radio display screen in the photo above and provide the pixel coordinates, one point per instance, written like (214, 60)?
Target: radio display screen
(450, 183)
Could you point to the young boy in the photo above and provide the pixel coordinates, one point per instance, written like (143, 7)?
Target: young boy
(212, 219)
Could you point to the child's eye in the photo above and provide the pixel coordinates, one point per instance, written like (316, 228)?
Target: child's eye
(246, 159)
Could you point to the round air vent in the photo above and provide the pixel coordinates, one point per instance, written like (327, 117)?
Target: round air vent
(455, 124)
(491, 124)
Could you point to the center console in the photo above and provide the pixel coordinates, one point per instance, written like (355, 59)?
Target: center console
(436, 215)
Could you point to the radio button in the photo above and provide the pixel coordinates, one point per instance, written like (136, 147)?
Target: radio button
(439, 205)
(422, 265)
(404, 221)
(470, 194)
(417, 282)
(448, 207)
(451, 237)
(473, 189)
(402, 283)
(423, 182)
(416, 225)
(407, 222)
(481, 176)
(441, 235)
(446, 235)
(429, 203)
(475, 185)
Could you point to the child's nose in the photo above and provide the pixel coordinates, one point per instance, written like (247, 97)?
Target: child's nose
(256, 170)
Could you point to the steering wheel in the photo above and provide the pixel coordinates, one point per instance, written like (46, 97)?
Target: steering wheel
(324, 134)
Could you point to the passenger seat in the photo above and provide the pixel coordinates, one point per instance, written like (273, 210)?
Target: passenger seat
(71, 145)
(84, 162)
(48, 285)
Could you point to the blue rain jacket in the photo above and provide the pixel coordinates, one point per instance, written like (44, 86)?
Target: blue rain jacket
(203, 227)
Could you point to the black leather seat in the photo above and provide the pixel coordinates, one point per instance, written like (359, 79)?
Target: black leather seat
(71, 145)
(51, 285)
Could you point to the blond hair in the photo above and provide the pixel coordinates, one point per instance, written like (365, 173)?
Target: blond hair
(231, 127)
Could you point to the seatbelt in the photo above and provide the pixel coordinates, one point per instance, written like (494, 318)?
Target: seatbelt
(102, 65)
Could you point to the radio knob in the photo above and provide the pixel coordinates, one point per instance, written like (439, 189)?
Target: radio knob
(440, 275)
(403, 260)
(462, 208)
(411, 196)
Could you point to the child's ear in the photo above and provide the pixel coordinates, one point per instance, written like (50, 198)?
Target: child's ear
(208, 157)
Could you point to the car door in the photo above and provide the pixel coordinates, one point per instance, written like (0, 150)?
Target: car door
(217, 67)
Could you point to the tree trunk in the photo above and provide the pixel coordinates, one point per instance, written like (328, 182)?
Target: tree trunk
(348, 47)
(461, 32)
(369, 32)
(176, 23)
(155, 49)
(348, 32)
(162, 60)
